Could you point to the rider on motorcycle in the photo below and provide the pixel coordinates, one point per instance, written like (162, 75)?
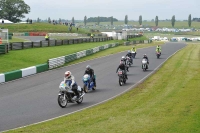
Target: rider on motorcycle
(123, 59)
(145, 57)
(69, 78)
(158, 48)
(129, 55)
(90, 72)
(134, 50)
(122, 67)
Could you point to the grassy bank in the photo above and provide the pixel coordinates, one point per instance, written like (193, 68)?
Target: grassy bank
(168, 101)
(41, 27)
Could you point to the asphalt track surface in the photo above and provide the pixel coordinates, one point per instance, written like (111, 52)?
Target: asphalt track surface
(32, 38)
(34, 99)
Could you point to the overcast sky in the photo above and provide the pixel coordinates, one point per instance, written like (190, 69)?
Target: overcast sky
(66, 9)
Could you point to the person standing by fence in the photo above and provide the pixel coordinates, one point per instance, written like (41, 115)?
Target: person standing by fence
(0, 41)
(47, 37)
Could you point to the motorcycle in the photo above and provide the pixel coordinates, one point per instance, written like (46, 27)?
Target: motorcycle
(133, 54)
(122, 78)
(158, 54)
(87, 83)
(129, 61)
(144, 64)
(66, 95)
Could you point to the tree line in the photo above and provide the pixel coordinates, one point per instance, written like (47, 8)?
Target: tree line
(173, 20)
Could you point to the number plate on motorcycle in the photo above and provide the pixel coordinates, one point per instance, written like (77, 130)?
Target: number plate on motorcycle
(120, 72)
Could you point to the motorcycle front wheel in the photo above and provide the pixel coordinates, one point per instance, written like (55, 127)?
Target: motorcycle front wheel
(85, 88)
(80, 100)
(62, 101)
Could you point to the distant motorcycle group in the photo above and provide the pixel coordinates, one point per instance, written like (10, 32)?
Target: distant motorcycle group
(127, 61)
(70, 92)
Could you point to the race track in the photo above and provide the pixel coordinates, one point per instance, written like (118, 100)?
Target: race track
(34, 99)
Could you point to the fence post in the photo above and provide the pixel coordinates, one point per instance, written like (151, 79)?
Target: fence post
(48, 42)
(22, 45)
(40, 43)
(11, 46)
(62, 42)
(55, 42)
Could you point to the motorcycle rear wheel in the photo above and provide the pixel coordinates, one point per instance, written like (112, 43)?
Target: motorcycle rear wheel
(120, 81)
(61, 102)
(124, 81)
(94, 88)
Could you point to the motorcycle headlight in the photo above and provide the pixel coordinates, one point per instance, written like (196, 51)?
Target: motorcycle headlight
(85, 79)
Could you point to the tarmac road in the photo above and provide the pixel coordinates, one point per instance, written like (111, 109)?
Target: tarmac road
(34, 99)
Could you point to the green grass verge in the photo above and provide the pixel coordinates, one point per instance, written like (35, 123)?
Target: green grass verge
(17, 59)
(168, 101)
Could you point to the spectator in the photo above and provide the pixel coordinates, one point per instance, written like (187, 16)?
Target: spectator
(27, 20)
(92, 36)
(77, 28)
(2, 21)
(31, 21)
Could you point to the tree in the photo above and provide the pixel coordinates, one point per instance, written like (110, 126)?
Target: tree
(173, 20)
(102, 19)
(49, 20)
(140, 19)
(38, 20)
(13, 10)
(59, 20)
(126, 19)
(98, 20)
(72, 20)
(111, 20)
(156, 21)
(85, 20)
(189, 20)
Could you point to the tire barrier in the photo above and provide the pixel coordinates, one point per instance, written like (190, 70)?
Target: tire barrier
(59, 61)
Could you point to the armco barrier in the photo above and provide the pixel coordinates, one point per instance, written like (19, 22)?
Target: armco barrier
(25, 45)
(8, 76)
(2, 78)
(13, 75)
(28, 71)
(42, 68)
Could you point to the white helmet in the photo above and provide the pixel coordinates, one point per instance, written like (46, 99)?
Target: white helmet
(123, 57)
(68, 74)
